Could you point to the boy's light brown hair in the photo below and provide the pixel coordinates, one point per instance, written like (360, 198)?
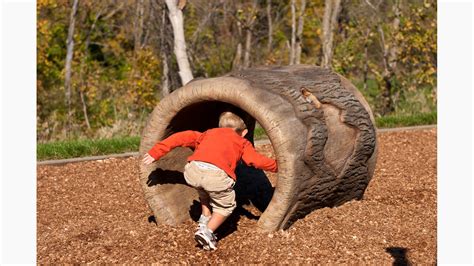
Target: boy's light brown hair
(228, 119)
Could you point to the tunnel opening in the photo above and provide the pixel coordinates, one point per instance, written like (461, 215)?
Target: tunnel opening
(254, 187)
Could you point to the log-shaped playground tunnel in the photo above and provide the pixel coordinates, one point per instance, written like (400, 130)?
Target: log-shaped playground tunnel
(320, 126)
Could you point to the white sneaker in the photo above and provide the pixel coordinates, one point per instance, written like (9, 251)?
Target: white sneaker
(206, 238)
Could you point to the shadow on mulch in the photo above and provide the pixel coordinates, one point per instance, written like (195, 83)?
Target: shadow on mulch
(399, 255)
(227, 228)
(230, 225)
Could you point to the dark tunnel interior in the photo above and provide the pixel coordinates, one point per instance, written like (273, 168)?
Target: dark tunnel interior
(253, 185)
(205, 115)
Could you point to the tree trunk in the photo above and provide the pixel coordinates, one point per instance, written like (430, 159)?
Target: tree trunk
(165, 86)
(146, 24)
(293, 33)
(270, 26)
(177, 22)
(326, 32)
(248, 38)
(84, 109)
(236, 63)
(248, 42)
(299, 32)
(138, 25)
(366, 58)
(392, 55)
(332, 9)
(389, 62)
(69, 56)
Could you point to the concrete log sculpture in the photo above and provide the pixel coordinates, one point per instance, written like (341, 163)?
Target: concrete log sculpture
(320, 126)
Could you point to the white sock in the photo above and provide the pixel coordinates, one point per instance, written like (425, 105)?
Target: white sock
(204, 219)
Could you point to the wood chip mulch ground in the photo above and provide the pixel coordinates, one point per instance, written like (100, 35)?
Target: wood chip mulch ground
(95, 212)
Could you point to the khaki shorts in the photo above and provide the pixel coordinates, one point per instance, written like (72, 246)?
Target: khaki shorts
(213, 184)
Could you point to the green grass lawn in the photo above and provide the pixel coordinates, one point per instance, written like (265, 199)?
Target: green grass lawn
(82, 148)
(406, 121)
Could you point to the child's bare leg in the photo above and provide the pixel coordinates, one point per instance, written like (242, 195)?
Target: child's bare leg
(206, 207)
(216, 220)
(205, 202)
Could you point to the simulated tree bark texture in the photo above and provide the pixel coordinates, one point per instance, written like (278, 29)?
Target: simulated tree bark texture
(320, 126)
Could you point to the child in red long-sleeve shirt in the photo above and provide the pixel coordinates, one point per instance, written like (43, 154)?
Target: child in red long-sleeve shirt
(211, 169)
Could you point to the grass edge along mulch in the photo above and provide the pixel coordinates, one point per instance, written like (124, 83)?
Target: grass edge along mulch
(94, 147)
(89, 147)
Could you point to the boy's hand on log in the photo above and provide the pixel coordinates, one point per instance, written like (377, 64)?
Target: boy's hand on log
(147, 159)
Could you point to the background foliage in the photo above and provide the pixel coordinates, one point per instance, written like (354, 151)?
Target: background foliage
(117, 68)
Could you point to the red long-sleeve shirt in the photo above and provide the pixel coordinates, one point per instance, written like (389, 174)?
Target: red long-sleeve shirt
(222, 147)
